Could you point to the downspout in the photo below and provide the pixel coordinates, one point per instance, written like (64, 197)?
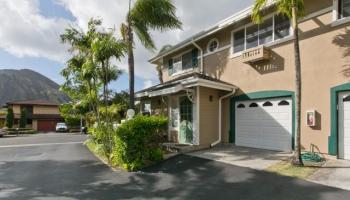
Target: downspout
(220, 113)
(201, 50)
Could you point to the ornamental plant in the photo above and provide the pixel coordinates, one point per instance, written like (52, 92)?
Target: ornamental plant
(23, 118)
(9, 118)
(138, 142)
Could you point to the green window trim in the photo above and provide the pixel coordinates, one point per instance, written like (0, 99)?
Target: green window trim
(170, 66)
(260, 95)
(193, 59)
(333, 138)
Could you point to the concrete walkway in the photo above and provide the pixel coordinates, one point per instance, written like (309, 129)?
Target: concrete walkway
(335, 173)
(244, 157)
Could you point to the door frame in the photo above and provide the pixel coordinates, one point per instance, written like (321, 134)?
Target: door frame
(268, 94)
(341, 138)
(333, 139)
(179, 117)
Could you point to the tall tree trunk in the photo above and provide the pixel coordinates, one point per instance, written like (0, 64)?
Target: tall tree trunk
(105, 82)
(96, 101)
(297, 153)
(131, 68)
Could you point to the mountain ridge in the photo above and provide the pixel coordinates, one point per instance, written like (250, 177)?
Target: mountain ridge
(26, 84)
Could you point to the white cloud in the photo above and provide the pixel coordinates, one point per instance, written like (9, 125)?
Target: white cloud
(24, 32)
(147, 84)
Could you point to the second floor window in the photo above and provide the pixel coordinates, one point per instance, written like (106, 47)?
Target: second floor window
(272, 29)
(344, 8)
(183, 62)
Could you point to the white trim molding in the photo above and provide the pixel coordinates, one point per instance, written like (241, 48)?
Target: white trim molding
(338, 19)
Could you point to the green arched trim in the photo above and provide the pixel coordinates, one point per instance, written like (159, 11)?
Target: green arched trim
(333, 138)
(260, 95)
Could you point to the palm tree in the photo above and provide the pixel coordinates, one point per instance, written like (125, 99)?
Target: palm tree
(293, 9)
(81, 83)
(144, 16)
(104, 47)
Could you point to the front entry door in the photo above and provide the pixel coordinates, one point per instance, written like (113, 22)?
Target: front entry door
(186, 121)
(344, 125)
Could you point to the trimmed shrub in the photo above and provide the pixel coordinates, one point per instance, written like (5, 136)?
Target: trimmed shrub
(14, 131)
(138, 142)
(9, 118)
(23, 118)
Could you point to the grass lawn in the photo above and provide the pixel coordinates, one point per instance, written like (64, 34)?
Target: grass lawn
(285, 168)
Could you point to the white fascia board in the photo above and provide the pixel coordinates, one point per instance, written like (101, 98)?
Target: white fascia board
(143, 94)
(166, 91)
(209, 84)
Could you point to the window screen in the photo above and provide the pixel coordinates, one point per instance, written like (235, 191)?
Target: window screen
(282, 27)
(252, 38)
(238, 43)
(265, 32)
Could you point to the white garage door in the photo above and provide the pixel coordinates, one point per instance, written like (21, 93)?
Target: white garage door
(344, 125)
(265, 124)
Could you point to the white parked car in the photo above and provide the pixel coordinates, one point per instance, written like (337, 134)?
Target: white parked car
(61, 127)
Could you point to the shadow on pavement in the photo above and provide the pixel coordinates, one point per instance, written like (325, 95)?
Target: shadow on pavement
(181, 177)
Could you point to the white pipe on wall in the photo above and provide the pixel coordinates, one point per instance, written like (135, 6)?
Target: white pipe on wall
(201, 50)
(220, 117)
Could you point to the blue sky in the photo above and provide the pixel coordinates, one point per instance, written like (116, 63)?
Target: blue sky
(29, 37)
(48, 67)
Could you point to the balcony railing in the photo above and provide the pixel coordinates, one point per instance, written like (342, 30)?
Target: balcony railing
(256, 54)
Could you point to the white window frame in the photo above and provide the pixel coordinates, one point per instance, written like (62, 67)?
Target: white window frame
(180, 62)
(209, 44)
(272, 15)
(337, 19)
(143, 108)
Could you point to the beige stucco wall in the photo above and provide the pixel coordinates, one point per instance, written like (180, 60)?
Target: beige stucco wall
(35, 125)
(45, 110)
(325, 64)
(16, 109)
(208, 119)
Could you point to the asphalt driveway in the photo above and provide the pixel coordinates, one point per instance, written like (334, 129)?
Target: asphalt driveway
(68, 171)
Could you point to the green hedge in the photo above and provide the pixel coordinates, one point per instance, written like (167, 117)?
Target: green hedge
(138, 142)
(20, 131)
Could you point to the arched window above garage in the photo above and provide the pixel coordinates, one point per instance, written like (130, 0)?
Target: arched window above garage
(346, 98)
(241, 105)
(267, 104)
(253, 105)
(283, 103)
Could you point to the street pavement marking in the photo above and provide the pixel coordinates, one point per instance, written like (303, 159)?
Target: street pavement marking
(39, 144)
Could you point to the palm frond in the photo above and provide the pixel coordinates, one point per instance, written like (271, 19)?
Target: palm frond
(143, 34)
(155, 14)
(283, 7)
(257, 10)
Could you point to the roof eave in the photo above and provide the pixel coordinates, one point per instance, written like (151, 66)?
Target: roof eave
(187, 83)
(221, 25)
